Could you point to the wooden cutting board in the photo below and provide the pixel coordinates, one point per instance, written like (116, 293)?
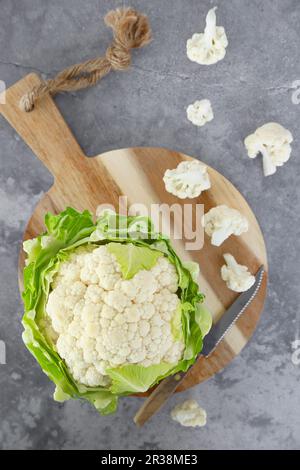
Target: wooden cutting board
(137, 173)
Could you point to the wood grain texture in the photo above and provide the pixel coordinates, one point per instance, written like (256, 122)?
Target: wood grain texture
(137, 173)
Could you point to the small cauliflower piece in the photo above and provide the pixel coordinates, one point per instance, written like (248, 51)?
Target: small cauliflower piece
(188, 180)
(189, 414)
(237, 277)
(272, 141)
(200, 112)
(209, 47)
(221, 222)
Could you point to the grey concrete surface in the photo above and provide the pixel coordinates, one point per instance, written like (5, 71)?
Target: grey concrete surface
(253, 403)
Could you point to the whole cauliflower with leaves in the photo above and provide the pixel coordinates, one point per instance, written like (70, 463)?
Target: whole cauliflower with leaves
(104, 321)
(110, 309)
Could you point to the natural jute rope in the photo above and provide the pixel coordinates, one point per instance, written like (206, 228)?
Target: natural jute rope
(131, 30)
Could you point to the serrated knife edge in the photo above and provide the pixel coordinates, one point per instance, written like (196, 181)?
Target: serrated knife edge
(259, 278)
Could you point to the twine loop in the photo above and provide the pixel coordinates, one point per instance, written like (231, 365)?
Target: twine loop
(131, 30)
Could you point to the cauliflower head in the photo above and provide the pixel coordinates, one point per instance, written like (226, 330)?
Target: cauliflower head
(110, 309)
(189, 414)
(237, 277)
(273, 142)
(221, 221)
(103, 321)
(200, 112)
(209, 47)
(188, 180)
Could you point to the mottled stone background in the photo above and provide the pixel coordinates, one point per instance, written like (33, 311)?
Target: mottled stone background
(254, 403)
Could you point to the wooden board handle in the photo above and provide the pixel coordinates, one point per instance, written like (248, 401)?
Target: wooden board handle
(44, 130)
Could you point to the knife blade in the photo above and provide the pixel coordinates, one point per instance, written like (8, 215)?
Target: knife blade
(219, 330)
(167, 387)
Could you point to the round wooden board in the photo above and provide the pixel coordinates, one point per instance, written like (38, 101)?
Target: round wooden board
(137, 173)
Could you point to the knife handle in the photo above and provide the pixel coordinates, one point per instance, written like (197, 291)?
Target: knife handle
(158, 398)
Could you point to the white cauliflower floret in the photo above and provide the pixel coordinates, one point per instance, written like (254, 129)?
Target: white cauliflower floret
(99, 320)
(272, 141)
(146, 285)
(237, 277)
(188, 180)
(221, 222)
(189, 414)
(94, 294)
(144, 328)
(209, 47)
(116, 300)
(200, 112)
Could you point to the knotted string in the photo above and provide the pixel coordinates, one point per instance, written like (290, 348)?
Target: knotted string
(131, 30)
